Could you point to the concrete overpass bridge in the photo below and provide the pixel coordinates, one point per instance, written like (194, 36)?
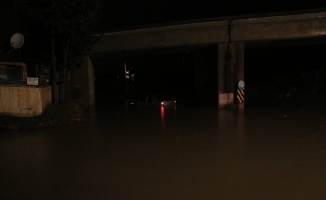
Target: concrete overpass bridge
(230, 35)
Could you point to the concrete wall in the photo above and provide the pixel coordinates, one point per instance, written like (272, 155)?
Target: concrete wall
(269, 28)
(24, 101)
(83, 83)
(309, 25)
(160, 37)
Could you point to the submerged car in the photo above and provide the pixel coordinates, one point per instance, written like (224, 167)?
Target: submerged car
(164, 101)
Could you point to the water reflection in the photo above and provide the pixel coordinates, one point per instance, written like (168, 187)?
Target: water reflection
(162, 116)
(240, 129)
(204, 153)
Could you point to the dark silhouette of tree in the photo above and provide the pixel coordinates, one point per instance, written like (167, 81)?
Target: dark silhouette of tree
(64, 29)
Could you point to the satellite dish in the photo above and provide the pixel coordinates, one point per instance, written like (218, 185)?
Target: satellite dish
(17, 40)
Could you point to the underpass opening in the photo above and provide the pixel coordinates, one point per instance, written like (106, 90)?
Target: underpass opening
(188, 74)
(286, 74)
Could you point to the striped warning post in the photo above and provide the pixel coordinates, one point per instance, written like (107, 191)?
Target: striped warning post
(240, 95)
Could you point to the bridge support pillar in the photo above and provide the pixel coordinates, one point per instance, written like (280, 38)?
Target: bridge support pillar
(230, 72)
(83, 82)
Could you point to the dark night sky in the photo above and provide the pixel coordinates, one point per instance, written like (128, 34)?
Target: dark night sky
(121, 14)
(130, 13)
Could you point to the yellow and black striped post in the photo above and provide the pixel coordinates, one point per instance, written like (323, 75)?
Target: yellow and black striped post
(240, 96)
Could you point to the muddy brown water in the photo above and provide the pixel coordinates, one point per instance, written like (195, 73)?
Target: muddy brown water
(187, 153)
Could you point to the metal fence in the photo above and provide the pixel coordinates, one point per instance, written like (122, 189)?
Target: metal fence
(23, 74)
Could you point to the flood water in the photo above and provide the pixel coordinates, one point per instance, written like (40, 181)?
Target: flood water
(190, 153)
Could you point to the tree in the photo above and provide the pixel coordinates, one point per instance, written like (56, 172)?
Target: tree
(68, 27)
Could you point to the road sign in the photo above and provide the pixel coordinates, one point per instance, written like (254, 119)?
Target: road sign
(241, 85)
(32, 81)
